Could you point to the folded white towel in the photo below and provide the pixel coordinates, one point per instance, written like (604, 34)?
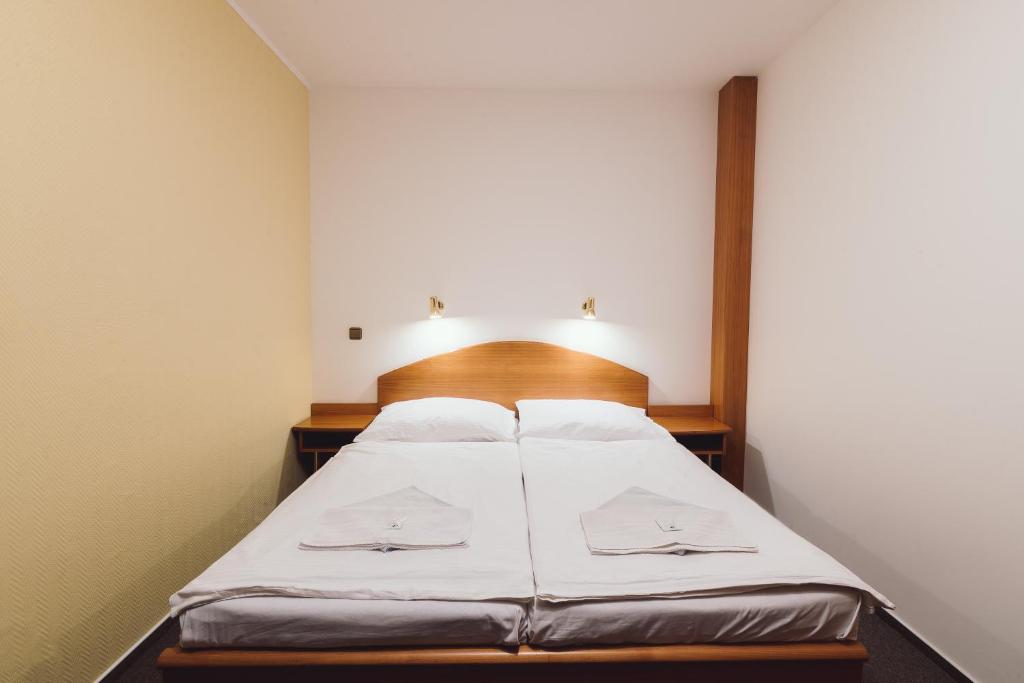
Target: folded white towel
(408, 519)
(639, 521)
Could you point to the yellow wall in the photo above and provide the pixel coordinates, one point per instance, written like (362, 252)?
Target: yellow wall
(154, 312)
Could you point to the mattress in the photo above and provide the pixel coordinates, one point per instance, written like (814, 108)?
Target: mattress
(778, 615)
(276, 622)
(774, 615)
(564, 478)
(484, 477)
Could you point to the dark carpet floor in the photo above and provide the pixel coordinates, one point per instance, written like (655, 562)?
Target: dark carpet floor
(894, 658)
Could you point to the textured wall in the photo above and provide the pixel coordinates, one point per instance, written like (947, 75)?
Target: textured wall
(512, 206)
(154, 312)
(886, 317)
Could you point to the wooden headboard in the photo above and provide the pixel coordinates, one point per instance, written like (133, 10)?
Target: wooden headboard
(506, 371)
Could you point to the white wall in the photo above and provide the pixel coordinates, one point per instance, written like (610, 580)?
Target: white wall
(886, 341)
(512, 206)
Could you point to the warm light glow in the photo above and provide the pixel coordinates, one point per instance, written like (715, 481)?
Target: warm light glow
(589, 311)
(436, 308)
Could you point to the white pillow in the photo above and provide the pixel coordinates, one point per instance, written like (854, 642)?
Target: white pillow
(586, 420)
(441, 419)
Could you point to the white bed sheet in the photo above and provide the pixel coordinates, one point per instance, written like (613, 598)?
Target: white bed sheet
(780, 615)
(332, 623)
(563, 478)
(484, 477)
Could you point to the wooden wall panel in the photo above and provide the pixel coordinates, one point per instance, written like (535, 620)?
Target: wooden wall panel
(734, 217)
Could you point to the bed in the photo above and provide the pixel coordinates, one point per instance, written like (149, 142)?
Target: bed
(789, 591)
(268, 591)
(370, 629)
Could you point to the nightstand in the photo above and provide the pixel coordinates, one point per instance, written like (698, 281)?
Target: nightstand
(704, 436)
(321, 435)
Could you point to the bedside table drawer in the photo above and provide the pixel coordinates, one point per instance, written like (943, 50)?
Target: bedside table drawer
(701, 442)
(710, 448)
(701, 434)
(322, 434)
(324, 441)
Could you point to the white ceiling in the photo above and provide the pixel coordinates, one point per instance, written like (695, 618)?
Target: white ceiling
(607, 44)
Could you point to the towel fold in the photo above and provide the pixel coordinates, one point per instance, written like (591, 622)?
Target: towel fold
(639, 521)
(408, 519)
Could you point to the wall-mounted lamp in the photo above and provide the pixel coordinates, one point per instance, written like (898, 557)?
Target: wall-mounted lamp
(436, 308)
(589, 312)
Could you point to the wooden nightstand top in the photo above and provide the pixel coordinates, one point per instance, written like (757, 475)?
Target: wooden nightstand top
(334, 423)
(691, 424)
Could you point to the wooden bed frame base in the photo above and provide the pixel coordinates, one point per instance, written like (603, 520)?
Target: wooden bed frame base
(839, 662)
